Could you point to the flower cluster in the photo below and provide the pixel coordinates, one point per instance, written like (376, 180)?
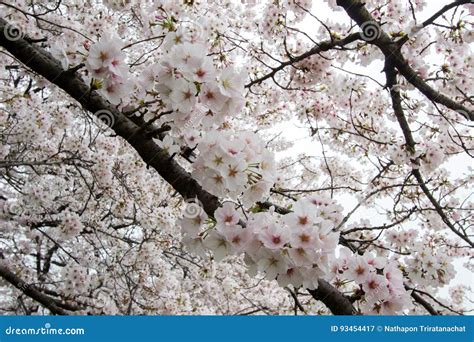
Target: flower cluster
(189, 84)
(426, 268)
(295, 248)
(75, 280)
(311, 70)
(433, 156)
(106, 61)
(180, 68)
(429, 155)
(298, 7)
(381, 282)
(402, 239)
(70, 226)
(234, 166)
(272, 21)
(168, 145)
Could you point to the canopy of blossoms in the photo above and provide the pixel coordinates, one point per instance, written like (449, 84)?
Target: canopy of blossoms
(236, 157)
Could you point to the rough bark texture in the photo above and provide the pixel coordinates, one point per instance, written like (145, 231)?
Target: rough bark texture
(333, 299)
(31, 291)
(391, 50)
(42, 63)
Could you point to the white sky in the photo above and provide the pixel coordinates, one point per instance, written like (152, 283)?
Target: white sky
(303, 143)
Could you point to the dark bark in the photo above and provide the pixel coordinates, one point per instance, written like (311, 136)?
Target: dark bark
(338, 303)
(48, 302)
(42, 63)
(391, 49)
(411, 146)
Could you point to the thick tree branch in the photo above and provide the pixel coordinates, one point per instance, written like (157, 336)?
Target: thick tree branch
(410, 143)
(45, 65)
(391, 49)
(338, 303)
(41, 62)
(443, 10)
(323, 46)
(31, 291)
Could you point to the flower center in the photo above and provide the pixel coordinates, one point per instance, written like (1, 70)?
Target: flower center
(373, 284)
(304, 238)
(303, 220)
(360, 270)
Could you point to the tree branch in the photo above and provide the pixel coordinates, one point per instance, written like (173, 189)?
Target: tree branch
(31, 291)
(338, 303)
(323, 46)
(410, 143)
(424, 303)
(41, 62)
(443, 10)
(357, 11)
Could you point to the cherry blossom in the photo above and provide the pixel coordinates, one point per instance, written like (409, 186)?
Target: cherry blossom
(227, 167)
(249, 148)
(226, 215)
(359, 269)
(168, 145)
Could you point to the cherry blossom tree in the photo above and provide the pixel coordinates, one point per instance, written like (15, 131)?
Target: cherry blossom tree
(236, 157)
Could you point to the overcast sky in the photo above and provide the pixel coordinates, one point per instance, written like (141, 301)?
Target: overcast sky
(303, 144)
